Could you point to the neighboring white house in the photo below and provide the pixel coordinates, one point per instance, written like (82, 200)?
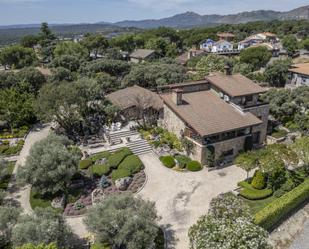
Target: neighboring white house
(265, 37)
(207, 45)
(299, 75)
(222, 46)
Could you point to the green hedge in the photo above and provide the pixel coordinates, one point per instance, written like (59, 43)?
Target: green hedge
(168, 161)
(255, 194)
(132, 163)
(116, 158)
(245, 184)
(100, 155)
(258, 181)
(101, 169)
(182, 160)
(194, 166)
(85, 164)
(120, 173)
(269, 216)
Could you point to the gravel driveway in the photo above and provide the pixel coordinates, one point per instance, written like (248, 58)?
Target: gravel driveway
(181, 198)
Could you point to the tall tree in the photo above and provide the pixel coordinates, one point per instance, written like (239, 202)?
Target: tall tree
(257, 57)
(16, 108)
(95, 43)
(44, 226)
(50, 165)
(71, 48)
(290, 43)
(17, 57)
(277, 73)
(124, 222)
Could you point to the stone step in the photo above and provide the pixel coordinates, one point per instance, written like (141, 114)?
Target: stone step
(122, 134)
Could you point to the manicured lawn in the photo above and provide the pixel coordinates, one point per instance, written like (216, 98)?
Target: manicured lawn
(257, 205)
(5, 182)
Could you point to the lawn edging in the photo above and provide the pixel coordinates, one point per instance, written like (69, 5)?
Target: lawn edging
(274, 212)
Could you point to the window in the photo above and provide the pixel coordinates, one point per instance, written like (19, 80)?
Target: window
(249, 98)
(228, 153)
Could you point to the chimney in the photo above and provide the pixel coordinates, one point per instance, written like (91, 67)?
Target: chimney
(190, 54)
(177, 96)
(228, 69)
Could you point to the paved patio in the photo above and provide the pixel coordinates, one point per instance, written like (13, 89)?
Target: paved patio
(181, 198)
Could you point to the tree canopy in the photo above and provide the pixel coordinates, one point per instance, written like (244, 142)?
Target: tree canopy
(50, 165)
(256, 56)
(123, 221)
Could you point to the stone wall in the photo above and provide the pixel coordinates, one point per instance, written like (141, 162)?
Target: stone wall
(172, 122)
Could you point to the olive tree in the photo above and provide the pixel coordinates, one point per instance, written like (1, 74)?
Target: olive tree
(8, 218)
(50, 165)
(43, 226)
(41, 246)
(124, 222)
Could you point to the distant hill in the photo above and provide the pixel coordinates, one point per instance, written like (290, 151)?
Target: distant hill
(190, 19)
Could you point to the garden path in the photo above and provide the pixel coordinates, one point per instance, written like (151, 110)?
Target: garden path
(181, 198)
(21, 195)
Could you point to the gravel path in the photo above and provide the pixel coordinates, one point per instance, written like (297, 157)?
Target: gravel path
(181, 198)
(19, 195)
(301, 241)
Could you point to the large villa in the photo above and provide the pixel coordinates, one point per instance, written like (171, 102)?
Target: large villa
(222, 115)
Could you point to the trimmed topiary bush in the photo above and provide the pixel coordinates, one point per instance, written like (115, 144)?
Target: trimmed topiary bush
(99, 156)
(168, 161)
(101, 169)
(85, 164)
(269, 216)
(120, 173)
(116, 158)
(258, 181)
(255, 194)
(194, 166)
(245, 184)
(132, 163)
(182, 161)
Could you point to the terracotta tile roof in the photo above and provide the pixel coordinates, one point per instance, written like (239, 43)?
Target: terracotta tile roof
(225, 34)
(301, 68)
(142, 53)
(208, 114)
(235, 85)
(179, 85)
(134, 95)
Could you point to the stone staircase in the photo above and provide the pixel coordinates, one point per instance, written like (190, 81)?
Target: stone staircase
(116, 136)
(139, 147)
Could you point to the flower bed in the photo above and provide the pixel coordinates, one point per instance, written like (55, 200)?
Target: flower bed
(8, 150)
(16, 133)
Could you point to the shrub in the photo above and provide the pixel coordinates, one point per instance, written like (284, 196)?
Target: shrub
(194, 166)
(255, 194)
(258, 180)
(85, 164)
(182, 161)
(131, 163)
(101, 169)
(116, 158)
(245, 184)
(279, 208)
(168, 161)
(99, 156)
(120, 173)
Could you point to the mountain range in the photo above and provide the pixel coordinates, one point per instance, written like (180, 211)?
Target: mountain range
(190, 19)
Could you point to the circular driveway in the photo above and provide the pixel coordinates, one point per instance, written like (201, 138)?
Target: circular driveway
(181, 198)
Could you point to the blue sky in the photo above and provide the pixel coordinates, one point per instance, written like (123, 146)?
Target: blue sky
(77, 11)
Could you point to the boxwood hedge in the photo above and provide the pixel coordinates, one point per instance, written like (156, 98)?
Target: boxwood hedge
(269, 216)
(100, 155)
(116, 158)
(132, 163)
(255, 194)
(168, 161)
(194, 166)
(101, 169)
(85, 164)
